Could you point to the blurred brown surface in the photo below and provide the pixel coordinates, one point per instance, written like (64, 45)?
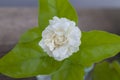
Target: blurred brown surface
(99, 19)
(15, 21)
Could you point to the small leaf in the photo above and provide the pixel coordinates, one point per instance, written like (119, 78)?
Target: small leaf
(51, 8)
(105, 71)
(69, 71)
(27, 59)
(96, 46)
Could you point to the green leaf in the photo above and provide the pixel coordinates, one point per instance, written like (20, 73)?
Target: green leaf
(27, 59)
(116, 66)
(96, 46)
(51, 8)
(69, 71)
(31, 35)
(105, 71)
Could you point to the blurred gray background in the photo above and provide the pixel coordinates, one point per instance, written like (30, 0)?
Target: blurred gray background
(77, 3)
(17, 16)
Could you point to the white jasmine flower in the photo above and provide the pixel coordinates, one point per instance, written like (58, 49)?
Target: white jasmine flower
(61, 38)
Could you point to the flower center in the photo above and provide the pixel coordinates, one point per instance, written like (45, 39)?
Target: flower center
(55, 41)
(59, 40)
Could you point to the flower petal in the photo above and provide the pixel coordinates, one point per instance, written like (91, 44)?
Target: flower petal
(60, 53)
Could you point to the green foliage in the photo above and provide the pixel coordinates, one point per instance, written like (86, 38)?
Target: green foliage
(96, 46)
(106, 71)
(27, 58)
(51, 8)
(69, 71)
